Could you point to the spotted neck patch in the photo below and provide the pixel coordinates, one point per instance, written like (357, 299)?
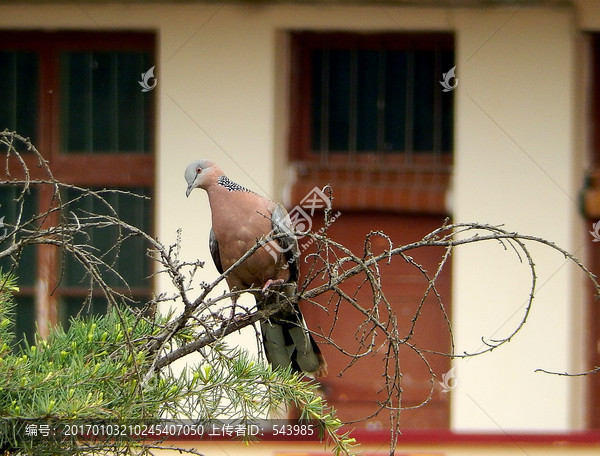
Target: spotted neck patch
(230, 185)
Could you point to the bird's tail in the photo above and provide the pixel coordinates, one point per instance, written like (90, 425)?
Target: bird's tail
(288, 342)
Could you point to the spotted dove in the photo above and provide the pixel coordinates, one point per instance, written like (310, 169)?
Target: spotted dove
(240, 219)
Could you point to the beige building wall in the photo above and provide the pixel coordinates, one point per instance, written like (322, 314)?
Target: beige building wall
(515, 166)
(222, 85)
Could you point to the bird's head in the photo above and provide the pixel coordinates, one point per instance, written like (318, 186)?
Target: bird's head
(198, 174)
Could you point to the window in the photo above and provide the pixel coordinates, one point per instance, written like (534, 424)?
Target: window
(369, 109)
(374, 94)
(77, 96)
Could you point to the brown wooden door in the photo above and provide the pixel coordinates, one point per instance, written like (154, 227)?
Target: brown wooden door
(354, 390)
(591, 209)
(369, 118)
(594, 340)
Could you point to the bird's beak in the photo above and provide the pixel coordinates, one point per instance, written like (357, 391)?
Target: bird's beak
(193, 184)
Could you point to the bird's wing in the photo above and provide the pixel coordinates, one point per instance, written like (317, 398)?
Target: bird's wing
(289, 243)
(286, 338)
(213, 245)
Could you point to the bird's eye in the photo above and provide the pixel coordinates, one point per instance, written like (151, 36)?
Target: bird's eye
(198, 170)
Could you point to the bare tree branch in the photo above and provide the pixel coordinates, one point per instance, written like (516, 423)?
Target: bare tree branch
(200, 323)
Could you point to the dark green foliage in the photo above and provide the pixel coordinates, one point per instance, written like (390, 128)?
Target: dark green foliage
(99, 370)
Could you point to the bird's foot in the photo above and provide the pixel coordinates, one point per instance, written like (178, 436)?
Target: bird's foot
(269, 283)
(235, 317)
(232, 314)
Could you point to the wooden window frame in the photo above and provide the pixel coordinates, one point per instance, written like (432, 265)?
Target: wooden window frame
(305, 42)
(109, 169)
(118, 170)
(376, 181)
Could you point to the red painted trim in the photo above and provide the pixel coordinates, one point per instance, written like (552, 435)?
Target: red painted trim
(441, 437)
(427, 437)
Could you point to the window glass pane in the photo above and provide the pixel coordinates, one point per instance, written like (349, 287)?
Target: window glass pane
(319, 65)
(423, 109)
(135, 107)
(367, 100)
(447, 101)
(73, 306)
(339, 100)
(10, 211)
(25, 327)
(19, 93)
(396, 66)
(130, 261)
(103, 108)
(25, 269)
(70, 307)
